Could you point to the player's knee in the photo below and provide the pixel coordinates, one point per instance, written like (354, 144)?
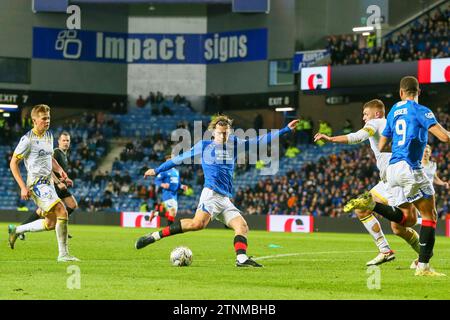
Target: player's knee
(411, 221)
(50, 224)
(242, 227)
(396, 229)
(245, 228)
(362, 214)
(61, 211)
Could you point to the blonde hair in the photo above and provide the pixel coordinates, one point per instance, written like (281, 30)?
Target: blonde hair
(40, 108)
(375, 104)
(220, 120)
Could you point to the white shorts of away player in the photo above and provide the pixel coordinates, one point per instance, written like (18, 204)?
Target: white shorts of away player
(391, 196)
(218, 206)
(44, 195)
(171, 204)
(414, 183)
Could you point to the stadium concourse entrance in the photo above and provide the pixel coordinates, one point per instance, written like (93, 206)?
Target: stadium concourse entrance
(255, 222)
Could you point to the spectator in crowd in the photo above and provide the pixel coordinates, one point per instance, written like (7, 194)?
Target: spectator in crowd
(424, 38)
(140, 102)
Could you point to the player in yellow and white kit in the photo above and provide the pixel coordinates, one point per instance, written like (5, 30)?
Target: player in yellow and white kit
(430, 169)
(375, 121)
(36, 149)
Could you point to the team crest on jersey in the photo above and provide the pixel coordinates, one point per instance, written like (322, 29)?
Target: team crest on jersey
(43, 153)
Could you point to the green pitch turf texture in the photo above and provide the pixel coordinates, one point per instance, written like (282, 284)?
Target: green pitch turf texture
(296, 266)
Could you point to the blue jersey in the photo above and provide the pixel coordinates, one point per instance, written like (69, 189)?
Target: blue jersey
(407, 125)
(172, 177)
(218, 160)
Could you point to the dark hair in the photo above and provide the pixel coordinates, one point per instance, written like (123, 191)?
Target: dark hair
(64, 133)
(410, 85)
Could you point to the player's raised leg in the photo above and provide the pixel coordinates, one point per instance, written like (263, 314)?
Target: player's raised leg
(396, 214)
(199, 222)
(34, 226)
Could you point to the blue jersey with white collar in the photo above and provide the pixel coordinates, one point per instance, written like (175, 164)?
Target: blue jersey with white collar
(172, 177)
(407, 125)
(218, 160)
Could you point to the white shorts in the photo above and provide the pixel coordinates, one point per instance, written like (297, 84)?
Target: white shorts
(414, 183)
(44, 195)
(218, 206)
(391, 196)
(170, 204)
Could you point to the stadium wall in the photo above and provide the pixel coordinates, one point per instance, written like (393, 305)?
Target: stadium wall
(252, 77)
(170, 79)
(17, 22)
(316, 20)
(321, 224)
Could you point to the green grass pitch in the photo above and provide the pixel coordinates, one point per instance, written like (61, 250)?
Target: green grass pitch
(299, 266)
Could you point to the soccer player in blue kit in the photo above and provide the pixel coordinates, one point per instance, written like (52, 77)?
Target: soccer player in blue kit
(218, 157)
(408, 124)
(169, 182)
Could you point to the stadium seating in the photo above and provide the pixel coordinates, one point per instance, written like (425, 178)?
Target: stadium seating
(423, 38)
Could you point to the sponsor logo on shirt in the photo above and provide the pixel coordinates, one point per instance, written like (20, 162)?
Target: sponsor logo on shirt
(429, 115)
(43, 153)
(400, 112)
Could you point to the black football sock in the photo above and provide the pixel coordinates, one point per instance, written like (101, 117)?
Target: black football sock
(240, 244)
(32, 217)
(171, 230)
(391, 213)
(426, 240)
(70, 211)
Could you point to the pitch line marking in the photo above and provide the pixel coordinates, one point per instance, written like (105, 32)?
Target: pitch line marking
(314, 253)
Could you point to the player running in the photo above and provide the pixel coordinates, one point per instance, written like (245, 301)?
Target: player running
(36, 149)
(61, 186)
(169, 182)
(430, 169)
(218, 157)
(408, 124)
(375, 122)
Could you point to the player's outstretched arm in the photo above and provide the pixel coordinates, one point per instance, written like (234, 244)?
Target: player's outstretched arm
(325, 138)
(169, 164)
(352, 138)
(439, 132)
(267, 138)
(439, 182)
(149, 173)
